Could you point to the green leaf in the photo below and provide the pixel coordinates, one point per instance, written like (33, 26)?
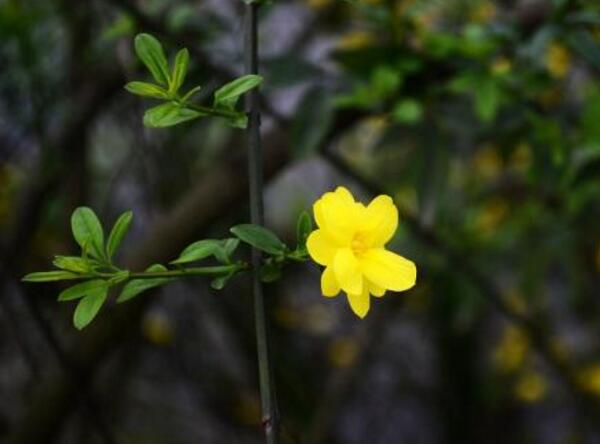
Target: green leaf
(72, 263)
(228, 95)
(270, 273)
(180, 67)
(49, 276)
(169, 114)
(88, 230)
(259, 237)
(147, 90)
(151, 53)
(487, 100)
(190, 93)
(220, 282)
(304, 227)
(82, 289)
(230, 245)
(89, 306)
(238, 121)
(118, 232)
(137, 286)
(407, 111)
(118, 277)
(197, 251)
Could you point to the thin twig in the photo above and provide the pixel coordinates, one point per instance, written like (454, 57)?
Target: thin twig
(270, 417)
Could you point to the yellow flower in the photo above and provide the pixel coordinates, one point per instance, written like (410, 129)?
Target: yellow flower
(158, 329)
(501, 66)
(531, 387)
(589, 379)
(343, 352)
(319, 4)
(356, 40)
(350, 243)
(558, 60)
(512, 350)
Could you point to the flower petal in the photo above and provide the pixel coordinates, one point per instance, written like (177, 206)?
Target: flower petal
(360, 303)
(388, 270)
(329, 284)
(381, 221)
(320, 247)
(347, 273)
(374, 289)
(337, 214)
(318, 212)
(344, 195)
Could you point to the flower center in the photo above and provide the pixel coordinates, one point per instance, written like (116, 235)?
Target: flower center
(358, 244)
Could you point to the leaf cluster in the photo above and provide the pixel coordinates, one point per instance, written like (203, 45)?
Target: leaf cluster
(177, 107)
(96, 269)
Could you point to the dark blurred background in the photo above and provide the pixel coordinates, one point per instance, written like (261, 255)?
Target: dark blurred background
(480, 118)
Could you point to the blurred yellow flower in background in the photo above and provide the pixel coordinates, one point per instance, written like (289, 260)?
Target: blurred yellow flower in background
(350, 243)
(319, 4)
(487, 162)
(531, 387)
(512, 350)
(501, 66)
(343, 352)
(491, 215)
(521, 158)
(484, 12)
(356, 40)
(589, 379)
(558, 60)
(157, 328)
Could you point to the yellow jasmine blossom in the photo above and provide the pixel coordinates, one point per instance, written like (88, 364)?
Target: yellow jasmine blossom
(319, 4)
(350, 243)
(343, 352)
(158, 329)
(356, 40)
(531, 387)
(589, 379)
(558, 60)
(512, 350)
(501, 66)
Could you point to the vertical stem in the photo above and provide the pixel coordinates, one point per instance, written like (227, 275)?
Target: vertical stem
(270, 420)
